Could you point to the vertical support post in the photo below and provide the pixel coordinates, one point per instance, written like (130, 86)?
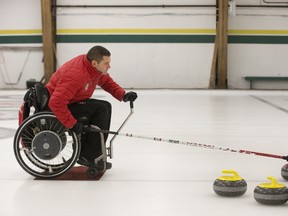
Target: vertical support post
(212, 81)
(222, 31)
(48, 39)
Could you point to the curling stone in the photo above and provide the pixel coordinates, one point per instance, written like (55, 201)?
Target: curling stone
(230, 185)
(284, 172)
(271, 193)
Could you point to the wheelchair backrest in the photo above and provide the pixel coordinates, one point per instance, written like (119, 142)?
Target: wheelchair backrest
(37, 97)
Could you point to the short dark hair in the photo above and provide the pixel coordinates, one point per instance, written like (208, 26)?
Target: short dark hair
(97, 53)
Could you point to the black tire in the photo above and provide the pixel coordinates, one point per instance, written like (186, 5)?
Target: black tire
(27, 139)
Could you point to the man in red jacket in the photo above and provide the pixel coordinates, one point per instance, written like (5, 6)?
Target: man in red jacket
(70, 89)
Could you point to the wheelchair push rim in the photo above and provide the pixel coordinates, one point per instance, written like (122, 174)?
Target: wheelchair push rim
(44, 147)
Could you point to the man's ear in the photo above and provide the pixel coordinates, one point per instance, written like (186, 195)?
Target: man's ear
(94, 63)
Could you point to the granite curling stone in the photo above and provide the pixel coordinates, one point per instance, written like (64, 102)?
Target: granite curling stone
(271, 193)
(284, 172)
(231, 185)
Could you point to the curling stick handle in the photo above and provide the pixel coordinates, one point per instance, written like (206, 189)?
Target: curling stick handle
(131, 104)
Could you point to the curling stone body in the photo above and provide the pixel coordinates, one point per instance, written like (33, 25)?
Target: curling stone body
(230, 186)
(271, 193)
(284, 172)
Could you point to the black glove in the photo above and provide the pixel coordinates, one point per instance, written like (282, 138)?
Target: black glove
(130, 96)
(78, 128)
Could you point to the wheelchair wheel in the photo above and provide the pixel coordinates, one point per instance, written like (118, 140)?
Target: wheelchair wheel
(44, 147)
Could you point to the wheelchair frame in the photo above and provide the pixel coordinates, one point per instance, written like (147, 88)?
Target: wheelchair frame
(45, 148)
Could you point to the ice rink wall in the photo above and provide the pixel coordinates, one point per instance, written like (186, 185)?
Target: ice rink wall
(152, 47)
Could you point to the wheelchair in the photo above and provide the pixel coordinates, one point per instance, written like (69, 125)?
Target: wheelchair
(45, 148)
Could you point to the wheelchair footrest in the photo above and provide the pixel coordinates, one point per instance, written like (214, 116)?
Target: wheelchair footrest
(95, 165)
(76, 173)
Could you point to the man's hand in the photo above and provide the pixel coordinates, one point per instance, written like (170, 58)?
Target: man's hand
(130, 96)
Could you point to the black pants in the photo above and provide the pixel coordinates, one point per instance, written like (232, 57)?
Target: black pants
(96, 112)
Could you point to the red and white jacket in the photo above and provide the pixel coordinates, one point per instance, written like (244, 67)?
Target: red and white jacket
(76, 81)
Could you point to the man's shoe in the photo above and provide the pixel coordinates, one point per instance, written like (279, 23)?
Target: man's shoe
(85, 162)
(100, 165)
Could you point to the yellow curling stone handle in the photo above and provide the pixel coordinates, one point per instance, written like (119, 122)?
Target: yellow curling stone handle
(233, 176)
(273, 184)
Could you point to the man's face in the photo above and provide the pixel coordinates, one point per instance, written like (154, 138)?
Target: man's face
(102, 66)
